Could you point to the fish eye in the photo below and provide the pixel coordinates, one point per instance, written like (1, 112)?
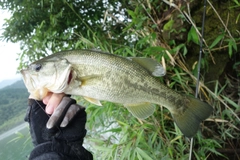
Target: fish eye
(37, 67)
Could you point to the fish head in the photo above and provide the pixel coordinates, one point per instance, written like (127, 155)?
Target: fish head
(43, 76)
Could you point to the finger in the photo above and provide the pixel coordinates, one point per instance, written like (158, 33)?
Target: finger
(53, 102)
(71, 112)
(60, 112)
(47, 98)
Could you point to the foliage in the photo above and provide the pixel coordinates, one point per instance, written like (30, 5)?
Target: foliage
(13, 103)
(167, 32)
(43, 26)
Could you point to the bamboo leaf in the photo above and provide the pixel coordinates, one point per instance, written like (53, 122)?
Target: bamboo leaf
(168, 25)
(193, 36)
(143, 154)
(217, 40)
(231, 102)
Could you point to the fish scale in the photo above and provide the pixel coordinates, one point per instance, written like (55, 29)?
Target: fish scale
(129, 81)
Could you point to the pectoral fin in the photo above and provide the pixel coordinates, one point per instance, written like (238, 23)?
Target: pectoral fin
(151, 65)
(141, 110)
(87, 80)
(93, 101)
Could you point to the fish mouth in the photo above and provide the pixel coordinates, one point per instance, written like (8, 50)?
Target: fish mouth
(66, 80)
(28, 81)
(70, 77)
(24, 76)
(22, 73)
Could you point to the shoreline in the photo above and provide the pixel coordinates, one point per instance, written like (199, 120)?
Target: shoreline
(13, 130)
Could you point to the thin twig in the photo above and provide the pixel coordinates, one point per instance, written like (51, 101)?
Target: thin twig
(200, 35)
(201, 85)
(223, 47)
(171, 4)
(214, 95)
(221, 20)
(149, 15)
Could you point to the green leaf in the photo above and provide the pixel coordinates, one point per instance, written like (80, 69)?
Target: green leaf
(217, 40)
(193, 36)
(231, 45)
(154, 49)
(237, 18)
(237, 3)
(131, 13)
(144, 155)
(168, 25)
(231, 102)
(230, 49)
(19, 136)
(234, 45)
(125, 152)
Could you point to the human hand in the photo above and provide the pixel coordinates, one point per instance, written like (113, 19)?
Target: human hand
(65, 109)
(56, 104)
(65, 140)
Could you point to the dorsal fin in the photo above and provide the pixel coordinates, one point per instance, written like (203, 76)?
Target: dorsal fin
(156, 69)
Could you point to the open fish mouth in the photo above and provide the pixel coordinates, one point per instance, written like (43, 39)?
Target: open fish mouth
(27, 79)
(70, 77)
(103, 76)
(23, 74)
(64, 80)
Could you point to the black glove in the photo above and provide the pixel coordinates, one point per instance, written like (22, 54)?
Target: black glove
(58, 143)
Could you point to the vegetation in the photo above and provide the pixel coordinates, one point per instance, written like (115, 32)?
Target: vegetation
(167, 32)
(13, 105)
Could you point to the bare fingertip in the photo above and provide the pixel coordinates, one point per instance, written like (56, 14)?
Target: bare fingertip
(49, 109)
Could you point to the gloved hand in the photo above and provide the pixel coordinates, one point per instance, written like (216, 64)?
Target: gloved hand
(64, 139)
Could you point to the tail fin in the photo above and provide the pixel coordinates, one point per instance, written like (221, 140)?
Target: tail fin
(195, 111)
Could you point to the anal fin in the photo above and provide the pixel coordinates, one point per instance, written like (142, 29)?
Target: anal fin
(141, 110)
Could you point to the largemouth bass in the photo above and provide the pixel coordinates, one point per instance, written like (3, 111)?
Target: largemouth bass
(101, 76)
